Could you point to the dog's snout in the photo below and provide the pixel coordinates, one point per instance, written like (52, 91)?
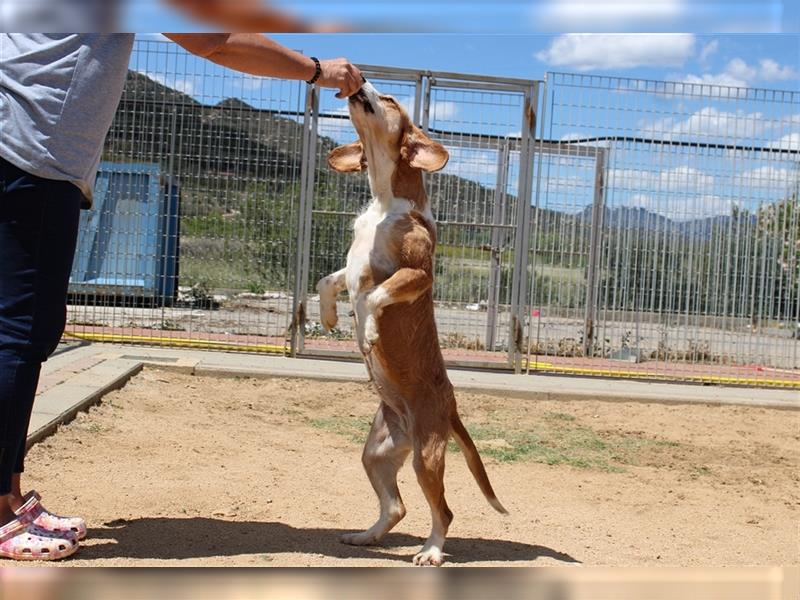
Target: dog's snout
(360, 97)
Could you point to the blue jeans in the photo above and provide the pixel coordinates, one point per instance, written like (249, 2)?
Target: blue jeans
(38, 231)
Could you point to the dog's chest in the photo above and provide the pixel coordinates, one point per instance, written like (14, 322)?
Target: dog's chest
(371, 253)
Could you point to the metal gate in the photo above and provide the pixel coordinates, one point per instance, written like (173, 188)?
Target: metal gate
(486, 125)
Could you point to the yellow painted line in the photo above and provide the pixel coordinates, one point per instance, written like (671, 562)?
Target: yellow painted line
(177, 342)
(534, 365)
(719, 379)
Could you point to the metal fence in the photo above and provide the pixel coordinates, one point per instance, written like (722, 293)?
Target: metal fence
(231, 146)
(667, 231)
(586, 225)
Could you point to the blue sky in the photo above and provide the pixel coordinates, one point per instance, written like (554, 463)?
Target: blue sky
(513, 16)
(682, 184)
(727, 59)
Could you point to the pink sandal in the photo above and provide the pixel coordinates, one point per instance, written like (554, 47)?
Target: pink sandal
(62, 526)
(22, 540)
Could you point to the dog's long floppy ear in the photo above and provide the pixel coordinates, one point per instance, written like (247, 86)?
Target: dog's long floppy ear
(421, 152)
(348, 158)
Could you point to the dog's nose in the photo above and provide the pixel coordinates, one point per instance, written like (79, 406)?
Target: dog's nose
(360, 97)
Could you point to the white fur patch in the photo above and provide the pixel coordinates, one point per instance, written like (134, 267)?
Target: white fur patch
(378, 299)
(370, 332)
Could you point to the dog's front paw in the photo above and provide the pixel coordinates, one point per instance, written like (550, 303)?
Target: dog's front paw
(327, 314)
(370, 333)
(327, 303)
(432, 558)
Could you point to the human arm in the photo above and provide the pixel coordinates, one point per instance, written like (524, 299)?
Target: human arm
(256, 54)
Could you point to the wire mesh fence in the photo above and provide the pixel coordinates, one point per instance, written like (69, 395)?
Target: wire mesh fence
(229, 146)
(695, 270)
(649, 229)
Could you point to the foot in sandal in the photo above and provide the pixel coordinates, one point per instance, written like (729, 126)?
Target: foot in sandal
(63, 526)
(22, 540)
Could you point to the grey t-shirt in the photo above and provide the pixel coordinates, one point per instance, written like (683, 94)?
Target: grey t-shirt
(58, 95)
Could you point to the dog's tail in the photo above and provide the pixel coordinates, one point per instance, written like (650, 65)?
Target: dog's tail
(474, 462)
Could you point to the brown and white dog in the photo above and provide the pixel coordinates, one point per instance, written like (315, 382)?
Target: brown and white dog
(389, 277)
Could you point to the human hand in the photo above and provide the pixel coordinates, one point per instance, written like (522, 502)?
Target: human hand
(342, 74)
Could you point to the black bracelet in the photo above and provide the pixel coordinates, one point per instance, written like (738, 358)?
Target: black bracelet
(317, 70)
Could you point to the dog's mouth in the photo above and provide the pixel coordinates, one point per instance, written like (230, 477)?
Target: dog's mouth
(360, 97)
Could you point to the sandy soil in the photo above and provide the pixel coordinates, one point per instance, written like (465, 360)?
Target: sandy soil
(181, 470)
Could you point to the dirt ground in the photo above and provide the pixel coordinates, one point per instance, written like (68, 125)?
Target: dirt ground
(182, 470)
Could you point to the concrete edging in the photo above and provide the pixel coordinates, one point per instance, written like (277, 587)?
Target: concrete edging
(46, 423)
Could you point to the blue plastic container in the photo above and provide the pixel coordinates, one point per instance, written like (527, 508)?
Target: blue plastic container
(128, 242)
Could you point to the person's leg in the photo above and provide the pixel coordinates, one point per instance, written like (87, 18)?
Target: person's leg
(15, 499)
(38, 230)
(20, 389)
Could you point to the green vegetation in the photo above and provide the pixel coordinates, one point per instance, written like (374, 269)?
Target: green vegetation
(555, 438)
(354, 429)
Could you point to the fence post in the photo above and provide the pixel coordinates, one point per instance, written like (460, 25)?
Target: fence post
(498, 218)
(426, 102)
(307, 172)
(418, 98)
(593, 267)
(538, 152)
(165, 259)
(522, 232)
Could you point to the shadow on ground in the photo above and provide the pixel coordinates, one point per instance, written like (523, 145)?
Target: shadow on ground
(199, 537)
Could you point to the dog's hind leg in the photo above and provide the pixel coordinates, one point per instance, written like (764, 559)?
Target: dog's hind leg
(384, 453)
(429, 453)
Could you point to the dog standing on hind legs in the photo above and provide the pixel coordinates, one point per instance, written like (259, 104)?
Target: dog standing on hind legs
(389, 277)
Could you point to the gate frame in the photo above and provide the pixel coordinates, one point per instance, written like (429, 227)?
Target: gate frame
(425, 81)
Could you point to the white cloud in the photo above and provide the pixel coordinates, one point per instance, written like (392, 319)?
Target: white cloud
(707, 50)
(790, 141)
(769, 70)
(766, 177)
(252, 83)
(725, 79)
(440, 110)
(479, 165)
(655, 15)
(181, 84)
(737, 67)
(710, 122)
(585, 51)
(569, 137)
(611, 15)
(569, 185)
(683, 208)
(738, 73)
(340, 130)
(682, 178)
(709, 205)
(686, 178)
